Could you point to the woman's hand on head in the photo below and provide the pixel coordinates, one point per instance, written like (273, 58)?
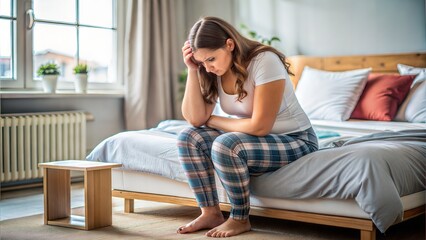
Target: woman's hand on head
(188, 56)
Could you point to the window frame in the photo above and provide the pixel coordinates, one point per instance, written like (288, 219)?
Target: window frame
(17, 53)
(24, 51)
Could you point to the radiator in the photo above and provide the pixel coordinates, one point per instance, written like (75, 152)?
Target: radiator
(31, 138)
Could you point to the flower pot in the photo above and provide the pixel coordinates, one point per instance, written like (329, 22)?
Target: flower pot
(81, 83)
(49, 83)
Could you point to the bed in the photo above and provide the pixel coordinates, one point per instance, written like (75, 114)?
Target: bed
(368, 174)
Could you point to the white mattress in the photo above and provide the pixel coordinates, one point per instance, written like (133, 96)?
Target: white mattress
(149, 183)
(354, 127)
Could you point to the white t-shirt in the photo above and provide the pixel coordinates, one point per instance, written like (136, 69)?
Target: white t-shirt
(264, 68)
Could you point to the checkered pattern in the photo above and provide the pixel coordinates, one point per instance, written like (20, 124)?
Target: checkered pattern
(235, 157)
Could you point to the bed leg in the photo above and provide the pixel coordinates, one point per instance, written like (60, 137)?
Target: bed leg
(129, 205)
(368, 235)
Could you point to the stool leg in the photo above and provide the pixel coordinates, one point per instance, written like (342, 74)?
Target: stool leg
(57, 192)
(98, 198)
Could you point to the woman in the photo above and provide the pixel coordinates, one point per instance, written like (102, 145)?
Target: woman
(269, 129)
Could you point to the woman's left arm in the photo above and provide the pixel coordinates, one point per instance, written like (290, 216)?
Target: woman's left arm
(266, 103)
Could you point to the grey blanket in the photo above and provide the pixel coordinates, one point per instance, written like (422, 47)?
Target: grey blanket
(375, 170)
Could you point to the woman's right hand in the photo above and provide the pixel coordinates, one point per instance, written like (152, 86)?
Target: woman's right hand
(188, 56)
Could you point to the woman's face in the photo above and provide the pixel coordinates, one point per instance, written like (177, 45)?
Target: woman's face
(217, 61)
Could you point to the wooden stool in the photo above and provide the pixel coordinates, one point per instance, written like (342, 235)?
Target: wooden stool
(97, 194)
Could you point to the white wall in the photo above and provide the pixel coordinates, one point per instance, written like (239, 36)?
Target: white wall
(338, 27)
(195, 9)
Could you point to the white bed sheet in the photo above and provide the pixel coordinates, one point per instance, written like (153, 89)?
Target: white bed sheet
(356, 128)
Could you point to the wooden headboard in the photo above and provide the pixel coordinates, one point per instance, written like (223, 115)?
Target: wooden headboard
(383, 63)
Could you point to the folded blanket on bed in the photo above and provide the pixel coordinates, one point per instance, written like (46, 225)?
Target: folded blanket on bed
(375, 170)
(325, 134)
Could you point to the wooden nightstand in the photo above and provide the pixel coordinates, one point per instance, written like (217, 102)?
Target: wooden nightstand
(97, 194)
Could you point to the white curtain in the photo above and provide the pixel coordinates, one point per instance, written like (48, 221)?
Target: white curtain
(152, 61)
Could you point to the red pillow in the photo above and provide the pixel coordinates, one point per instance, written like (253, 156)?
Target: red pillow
(381, 96)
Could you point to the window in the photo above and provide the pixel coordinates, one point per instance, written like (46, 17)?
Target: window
(65, 32)
(8, 33)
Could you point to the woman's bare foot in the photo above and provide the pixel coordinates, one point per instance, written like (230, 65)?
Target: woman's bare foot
(230, 228)
(210, 217)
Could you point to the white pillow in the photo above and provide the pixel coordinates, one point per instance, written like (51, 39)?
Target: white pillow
(328, 95)
(409, 70)
(413, 109)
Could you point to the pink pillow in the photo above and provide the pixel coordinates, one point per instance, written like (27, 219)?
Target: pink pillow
(381, 96)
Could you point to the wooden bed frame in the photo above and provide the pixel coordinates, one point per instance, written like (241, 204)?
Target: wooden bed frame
(385, 63)
(366, 226)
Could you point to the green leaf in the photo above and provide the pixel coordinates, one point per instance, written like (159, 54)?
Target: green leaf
(81, 69)
(275, 39)
(243, 26)
(252, 34)
(48, 69)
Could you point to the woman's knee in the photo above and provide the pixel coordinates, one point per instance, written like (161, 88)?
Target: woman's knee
(189, 134)
(228, 143)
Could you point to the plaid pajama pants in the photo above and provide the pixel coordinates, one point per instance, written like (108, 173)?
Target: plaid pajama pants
(235, 156)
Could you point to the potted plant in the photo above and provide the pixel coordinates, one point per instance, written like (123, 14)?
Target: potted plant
(49, 73)
(255, 36)
(81, 71)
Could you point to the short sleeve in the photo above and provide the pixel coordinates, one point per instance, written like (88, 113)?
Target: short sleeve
(267, 67)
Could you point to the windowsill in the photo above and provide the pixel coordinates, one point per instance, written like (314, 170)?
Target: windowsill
(5, 94)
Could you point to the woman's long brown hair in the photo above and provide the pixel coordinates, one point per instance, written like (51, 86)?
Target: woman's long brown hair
(212, 33)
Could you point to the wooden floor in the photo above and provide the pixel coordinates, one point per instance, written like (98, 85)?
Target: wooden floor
(21, 203)
(28, 202)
